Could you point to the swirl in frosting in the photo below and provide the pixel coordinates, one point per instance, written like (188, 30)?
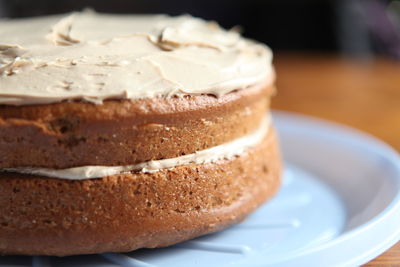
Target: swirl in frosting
(93, 57)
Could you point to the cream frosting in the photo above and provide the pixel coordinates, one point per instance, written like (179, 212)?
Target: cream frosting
(93, 56)
(213, 154)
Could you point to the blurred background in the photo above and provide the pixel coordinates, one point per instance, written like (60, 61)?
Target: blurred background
(356, 28)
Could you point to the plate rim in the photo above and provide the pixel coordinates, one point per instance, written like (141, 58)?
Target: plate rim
(376, 145)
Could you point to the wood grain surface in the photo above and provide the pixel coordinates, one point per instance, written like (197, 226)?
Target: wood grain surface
(364, 94)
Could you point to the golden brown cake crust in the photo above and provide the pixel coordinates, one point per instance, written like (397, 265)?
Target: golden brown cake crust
(129, 211)
(123, 132)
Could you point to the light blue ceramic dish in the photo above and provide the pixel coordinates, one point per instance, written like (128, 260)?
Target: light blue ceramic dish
(339, 205)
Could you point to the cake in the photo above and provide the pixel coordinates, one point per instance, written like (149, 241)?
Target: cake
(120, 132)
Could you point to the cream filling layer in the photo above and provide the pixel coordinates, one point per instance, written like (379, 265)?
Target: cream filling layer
(225, 151)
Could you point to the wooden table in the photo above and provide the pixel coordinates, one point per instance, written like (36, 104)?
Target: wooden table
(363, 94)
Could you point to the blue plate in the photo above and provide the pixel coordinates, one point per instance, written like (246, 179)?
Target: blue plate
(339, 205)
